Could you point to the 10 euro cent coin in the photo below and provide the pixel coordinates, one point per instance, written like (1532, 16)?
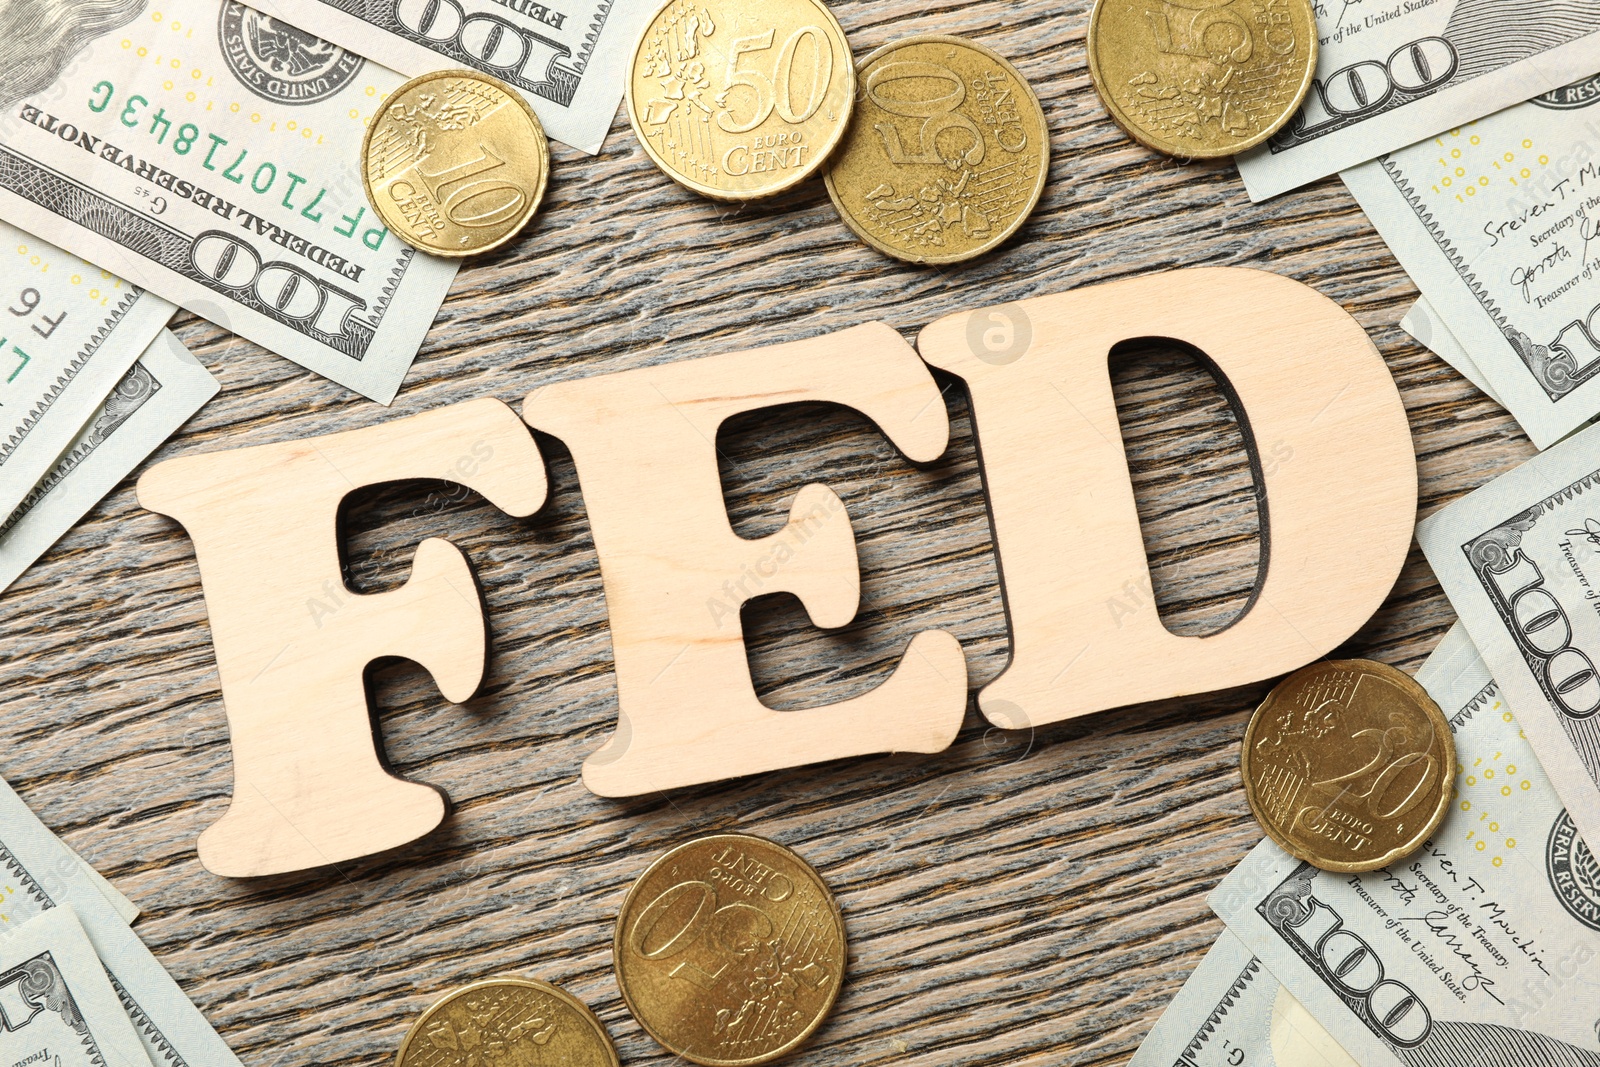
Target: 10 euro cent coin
(507, 1022)
(740, 99)
(1202, 80)
(729, 950)
(1347, 765)
(947, 154)
(455, 163)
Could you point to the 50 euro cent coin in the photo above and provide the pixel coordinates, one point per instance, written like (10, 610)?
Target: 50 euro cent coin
(1348, 764)
(947, 155)
(730, 950)
(455, 163)
(741, 99)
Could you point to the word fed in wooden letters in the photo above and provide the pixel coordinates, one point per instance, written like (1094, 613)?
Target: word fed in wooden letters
(310, 786)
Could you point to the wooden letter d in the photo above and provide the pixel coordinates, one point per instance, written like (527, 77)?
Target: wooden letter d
(1336, 515)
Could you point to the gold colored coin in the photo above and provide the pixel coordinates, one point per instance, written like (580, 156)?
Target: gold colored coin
(729, 950)
(455, 163)
(1347, 765)
(947, 154)
(1202, 78)
(740, 99)
(507, 1022)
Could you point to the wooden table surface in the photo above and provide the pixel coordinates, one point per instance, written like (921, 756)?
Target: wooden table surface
(1029, 897)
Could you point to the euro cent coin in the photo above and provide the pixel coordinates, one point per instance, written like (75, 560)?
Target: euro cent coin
(740, 99)
(1202, 80)
(1347, 765)
(507, 1022)
(947, 154)
(455, 163)
(729, 950)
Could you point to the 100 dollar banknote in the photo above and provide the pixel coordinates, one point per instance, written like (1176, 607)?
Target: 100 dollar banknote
(57, 1007)
(1426, 326)
(1498, 223)
(1233, 1012)
(68, 332)
(158, 394)
(41, 874)
(209, 153)
(1482, 948)
(568, 58)
(1520, 561)
(1390, 74)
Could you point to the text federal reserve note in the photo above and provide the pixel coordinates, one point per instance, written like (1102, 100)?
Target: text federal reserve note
(57, 1007)
(1390, 74)
(38, 873)
(1481, 949)
(1232, 1012)
(568, 58)
(207, 152)
(68, 332)
(1520, 561)
(157, 395)
(1498, 223)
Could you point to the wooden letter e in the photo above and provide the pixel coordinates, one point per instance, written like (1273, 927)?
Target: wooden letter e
(676, 574)
(293, 642)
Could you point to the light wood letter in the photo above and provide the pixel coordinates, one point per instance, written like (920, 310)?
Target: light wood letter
(675, 573)
(293, 642)
(1332, 456)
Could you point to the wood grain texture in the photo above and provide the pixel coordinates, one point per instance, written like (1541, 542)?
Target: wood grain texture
(1019, 899)
(293, 649)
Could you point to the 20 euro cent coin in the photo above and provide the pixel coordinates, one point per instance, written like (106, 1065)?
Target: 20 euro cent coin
(1347, 765)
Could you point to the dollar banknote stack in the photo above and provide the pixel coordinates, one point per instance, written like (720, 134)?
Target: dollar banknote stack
(1469, 131)
(90, 383)
(1480, 948)
(204, 151)
(201, 155)
(77, 986)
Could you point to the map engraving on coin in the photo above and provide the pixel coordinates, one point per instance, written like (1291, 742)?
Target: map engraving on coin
(1347, 765)
(729, 950)
(455, 163)
(947, 155)
(507, 1022)
(1202, 78)
(739, 99)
